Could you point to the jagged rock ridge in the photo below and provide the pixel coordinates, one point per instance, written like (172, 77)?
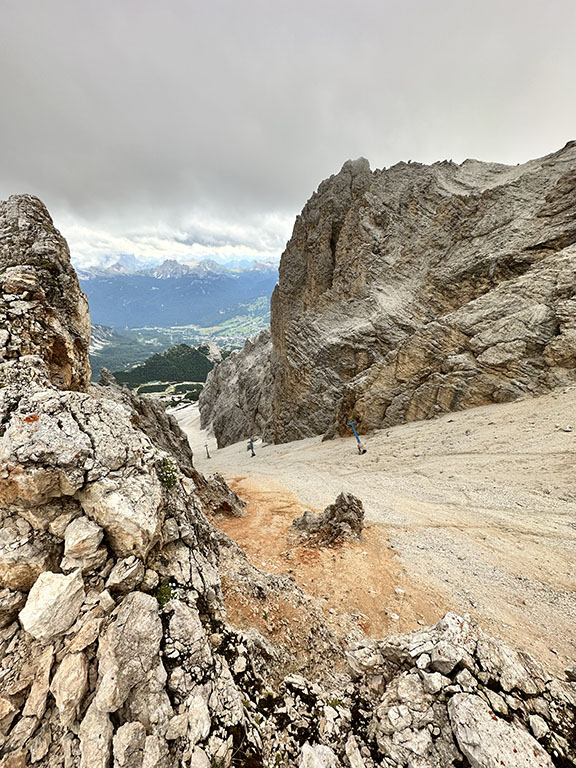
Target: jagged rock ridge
(417, 290)
(237, 397)
(114, 646)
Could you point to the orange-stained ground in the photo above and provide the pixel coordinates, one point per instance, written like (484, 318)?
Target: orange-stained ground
(359, 580)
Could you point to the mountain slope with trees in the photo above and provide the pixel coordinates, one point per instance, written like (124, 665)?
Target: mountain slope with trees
(179, 363)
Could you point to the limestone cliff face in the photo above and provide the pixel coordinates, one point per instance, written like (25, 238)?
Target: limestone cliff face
(424, 289)
(43, 312)
(419, 289)
(236, 399)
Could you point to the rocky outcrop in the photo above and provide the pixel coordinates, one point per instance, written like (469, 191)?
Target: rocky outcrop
(115, 651)
(102, 529)
(342, 520)
(236, 399)
(451, 695)
(43, 311)
(445, 696)
(416, 290)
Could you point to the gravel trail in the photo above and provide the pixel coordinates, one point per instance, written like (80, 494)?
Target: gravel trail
(479, 505)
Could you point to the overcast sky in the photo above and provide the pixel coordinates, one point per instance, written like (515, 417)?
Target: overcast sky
(180, 128)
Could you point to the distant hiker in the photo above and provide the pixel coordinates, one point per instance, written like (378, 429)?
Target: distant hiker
(250, 447)
(361, 448)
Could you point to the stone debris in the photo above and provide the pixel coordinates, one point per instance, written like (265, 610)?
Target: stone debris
(129, 661)
(342, 520)
(53, 604)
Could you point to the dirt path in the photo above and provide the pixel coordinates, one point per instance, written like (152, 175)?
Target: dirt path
(475, 511)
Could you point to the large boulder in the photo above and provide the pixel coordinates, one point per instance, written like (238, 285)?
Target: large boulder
(53, 604)
(342, 520)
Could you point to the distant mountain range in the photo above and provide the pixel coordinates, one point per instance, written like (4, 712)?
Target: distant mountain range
(175, 294)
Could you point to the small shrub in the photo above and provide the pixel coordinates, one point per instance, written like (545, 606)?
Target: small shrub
(164, 594)
(167, 473)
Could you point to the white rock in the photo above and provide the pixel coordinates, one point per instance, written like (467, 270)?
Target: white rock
(106, 601)
(317, 756)
(129, 741)
(432, 683)
(353, 753)
(199, 759)
(82, 538)
(423, 661)
(86, 564)
(86, 635)
(23, 559)
(411, 691)
(128, 651)
(445, 657)
(186, 627)
(128, 512)
(538, 726)
(399, 717)
(8, 712)
(156, 753)
(53, 604)
(489, 742)
(126, 575)
(177, 727)
(40, 744)
(69, 686)
(199, 719)
(513, 669)
(95, 739)
(36, 701)
(466, 680)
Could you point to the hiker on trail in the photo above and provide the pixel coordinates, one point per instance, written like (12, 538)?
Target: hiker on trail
(250, 446)
(361, 447)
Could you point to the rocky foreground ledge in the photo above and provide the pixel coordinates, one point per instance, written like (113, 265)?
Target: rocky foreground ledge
(114, 645)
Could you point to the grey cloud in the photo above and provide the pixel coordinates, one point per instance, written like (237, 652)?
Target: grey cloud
(119, 114)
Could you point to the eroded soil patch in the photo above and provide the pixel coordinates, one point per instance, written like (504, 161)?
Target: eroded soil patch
(358, 583)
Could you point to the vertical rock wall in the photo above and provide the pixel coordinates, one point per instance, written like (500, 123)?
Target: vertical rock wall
(417, 290)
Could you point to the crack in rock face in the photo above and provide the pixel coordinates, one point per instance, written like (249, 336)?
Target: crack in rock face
(115, 649)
